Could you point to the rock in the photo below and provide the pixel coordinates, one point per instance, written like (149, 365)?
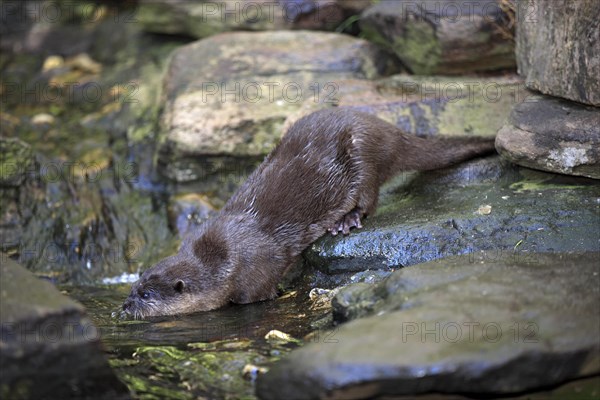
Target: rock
(205, 18)
(553, 135)
(421, 105)
(45, 28)
(84, 63)
(432, 215)
(441, 37)
(17, 161)
(50, 348)
(486, 325)
(231, 93)
(53, 62)
(43, 119)
(355, 300)
(197, 372)
(429, 106)
(188, 210)
(88, 209)
(557, 48)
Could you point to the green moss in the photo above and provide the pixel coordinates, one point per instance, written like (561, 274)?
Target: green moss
(537, 181)
(16, 161)
(199, 371)
(419, 48)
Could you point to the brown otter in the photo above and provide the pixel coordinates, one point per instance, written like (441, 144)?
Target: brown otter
(323, 176)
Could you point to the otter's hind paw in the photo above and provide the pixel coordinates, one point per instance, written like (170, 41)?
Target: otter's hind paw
(350, 220)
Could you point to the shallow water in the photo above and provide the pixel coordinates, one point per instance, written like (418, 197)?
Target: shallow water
(202, 354)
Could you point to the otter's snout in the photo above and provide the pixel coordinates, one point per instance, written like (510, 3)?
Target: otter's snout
(127, 304)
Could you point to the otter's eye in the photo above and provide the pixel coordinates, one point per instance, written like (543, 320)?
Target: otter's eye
(145, 295)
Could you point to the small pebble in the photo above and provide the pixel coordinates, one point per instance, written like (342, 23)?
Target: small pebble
(84, 62)
(484, 210)
(278, 336)
(42, 119)
(53, 62)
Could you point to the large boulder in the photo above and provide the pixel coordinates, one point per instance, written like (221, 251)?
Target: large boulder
(442, 37)
(557, 48)
(553, 135)
(230, 94)
(50, 348)
(490, 324)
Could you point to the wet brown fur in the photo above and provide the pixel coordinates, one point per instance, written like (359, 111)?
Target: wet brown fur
(328, 164)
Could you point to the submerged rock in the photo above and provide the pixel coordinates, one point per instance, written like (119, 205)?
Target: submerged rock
(50, 348)
(483, 324)
(203, 373)
(441, 37)
(554, 135)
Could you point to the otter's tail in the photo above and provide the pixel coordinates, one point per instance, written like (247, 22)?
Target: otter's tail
(443, 152)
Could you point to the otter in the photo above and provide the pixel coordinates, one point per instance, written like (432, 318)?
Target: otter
(324, 176)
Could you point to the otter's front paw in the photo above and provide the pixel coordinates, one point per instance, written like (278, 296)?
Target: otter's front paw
(350, 220)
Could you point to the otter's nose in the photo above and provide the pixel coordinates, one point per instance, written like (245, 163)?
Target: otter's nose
(127, 304)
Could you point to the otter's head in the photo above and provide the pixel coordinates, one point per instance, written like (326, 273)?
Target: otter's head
(195, 279)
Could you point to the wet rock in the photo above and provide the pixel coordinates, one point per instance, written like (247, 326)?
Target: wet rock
(188, 210)
(488, 324)
(427, 216)
(77, 218)
(16, 163)
(553, 135)
(206, 18)
(231, 93)
(50, 348)
(355, 300)
(443, 37)
(557, 48)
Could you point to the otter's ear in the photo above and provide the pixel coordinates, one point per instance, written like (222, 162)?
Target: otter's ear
(211, 249)
(179, 286)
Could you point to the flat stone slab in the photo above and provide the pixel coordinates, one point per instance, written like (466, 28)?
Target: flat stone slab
(485, 204)
(553, 135)
(485, 324)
